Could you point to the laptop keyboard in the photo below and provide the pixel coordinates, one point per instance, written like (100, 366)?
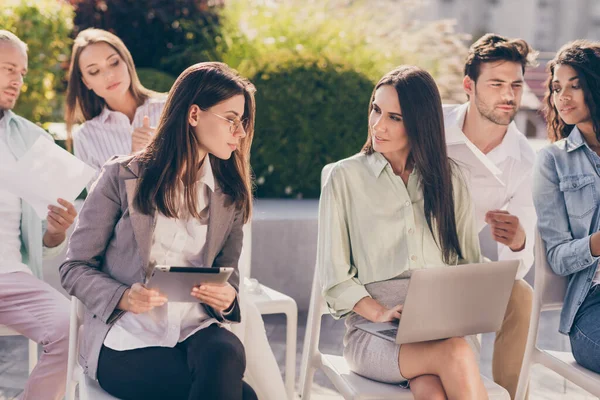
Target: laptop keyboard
(389, 332)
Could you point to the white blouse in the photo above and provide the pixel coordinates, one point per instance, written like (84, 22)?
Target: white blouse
(175, 242)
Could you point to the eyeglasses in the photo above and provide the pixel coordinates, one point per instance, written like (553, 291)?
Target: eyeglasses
(234, 124)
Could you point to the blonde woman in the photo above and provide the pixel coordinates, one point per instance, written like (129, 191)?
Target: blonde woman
(105, 95)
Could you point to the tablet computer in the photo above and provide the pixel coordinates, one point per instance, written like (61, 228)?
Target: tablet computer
(177, 282)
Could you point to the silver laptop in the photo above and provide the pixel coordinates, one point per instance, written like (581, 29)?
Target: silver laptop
(451, 301)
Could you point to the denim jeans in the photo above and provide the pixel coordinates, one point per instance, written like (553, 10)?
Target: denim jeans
(585, 332)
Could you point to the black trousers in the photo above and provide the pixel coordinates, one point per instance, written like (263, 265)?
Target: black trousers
(208, 365)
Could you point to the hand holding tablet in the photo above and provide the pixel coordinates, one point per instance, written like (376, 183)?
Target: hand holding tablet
(219, 297)
(177, 283)
(138, 299)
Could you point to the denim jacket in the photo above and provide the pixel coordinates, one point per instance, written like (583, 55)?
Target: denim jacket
(21, 135)
(565, 194)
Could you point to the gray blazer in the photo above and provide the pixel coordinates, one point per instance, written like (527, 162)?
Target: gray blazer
(110, 248)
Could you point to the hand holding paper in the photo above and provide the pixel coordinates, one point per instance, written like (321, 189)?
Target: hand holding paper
(45, 174)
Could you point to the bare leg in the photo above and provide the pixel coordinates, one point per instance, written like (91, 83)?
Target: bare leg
(427, 387)
(452, 360)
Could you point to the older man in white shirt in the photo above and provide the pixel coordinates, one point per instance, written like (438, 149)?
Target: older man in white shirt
(502, 194)
(28, 304)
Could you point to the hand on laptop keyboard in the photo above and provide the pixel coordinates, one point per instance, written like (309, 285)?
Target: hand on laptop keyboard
(391, 315)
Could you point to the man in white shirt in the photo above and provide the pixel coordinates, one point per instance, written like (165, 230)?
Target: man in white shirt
(28, 304)
(501, 193)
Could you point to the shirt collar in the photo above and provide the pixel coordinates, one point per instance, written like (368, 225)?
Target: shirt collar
(377, 163)
(206, 174)
(575, 140)
(5, 124)
(104, 114)
(8, 115)
(509, 147)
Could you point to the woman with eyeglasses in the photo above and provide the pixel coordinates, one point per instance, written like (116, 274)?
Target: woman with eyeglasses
(182, 200)
(118, 117)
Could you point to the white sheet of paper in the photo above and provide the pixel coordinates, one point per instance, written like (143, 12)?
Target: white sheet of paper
(45, 173)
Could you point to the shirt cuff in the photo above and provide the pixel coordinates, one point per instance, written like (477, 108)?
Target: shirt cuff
(583, 253)
(51, 252)
(345, 301)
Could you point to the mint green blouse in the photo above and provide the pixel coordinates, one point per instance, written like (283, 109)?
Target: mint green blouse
(372, 228)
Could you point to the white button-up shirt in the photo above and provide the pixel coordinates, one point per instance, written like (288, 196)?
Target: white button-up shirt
(175, 242)
(514, 158)
(10, 214)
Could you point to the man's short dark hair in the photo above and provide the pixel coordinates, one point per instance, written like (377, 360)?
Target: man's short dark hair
(491, 48)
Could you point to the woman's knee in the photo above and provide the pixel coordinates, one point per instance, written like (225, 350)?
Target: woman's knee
(227, 353)
(458, 356)
(57, 337)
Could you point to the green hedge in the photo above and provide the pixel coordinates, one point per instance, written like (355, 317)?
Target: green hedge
(309, 112)
(155, 80)
(45, 25)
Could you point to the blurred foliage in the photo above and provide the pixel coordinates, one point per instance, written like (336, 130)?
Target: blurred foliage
(310, 112)
(314, 64)
(45, 26)
(156, 32)
(156, 80)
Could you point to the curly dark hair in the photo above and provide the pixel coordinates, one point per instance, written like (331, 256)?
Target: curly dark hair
(584, 57)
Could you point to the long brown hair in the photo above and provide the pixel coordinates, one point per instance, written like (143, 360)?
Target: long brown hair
(83, 104)
(173, 152)
(584, 57)
(423, 119)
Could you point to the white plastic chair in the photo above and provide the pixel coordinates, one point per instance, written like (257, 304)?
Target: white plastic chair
(349, 384)
(33, 347)
(548, 294)
(89, 389)
(270, 301)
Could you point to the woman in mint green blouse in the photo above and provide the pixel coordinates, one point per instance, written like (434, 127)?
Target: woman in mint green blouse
(397, 206)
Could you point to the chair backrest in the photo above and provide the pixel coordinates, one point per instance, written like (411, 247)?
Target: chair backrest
(245, 263)
(550, 287)
(316, 298)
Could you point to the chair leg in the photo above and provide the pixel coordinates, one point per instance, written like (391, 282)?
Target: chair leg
(33, 355)
(290, 351)
(310, 348)
(306, 389)
(530, 349)
(71, 387)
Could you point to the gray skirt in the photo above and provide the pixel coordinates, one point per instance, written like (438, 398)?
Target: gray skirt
(368, 355)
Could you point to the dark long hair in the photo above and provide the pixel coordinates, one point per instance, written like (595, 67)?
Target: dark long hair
(424, 122)
(584, 57)
(173, 152)
(83, 104)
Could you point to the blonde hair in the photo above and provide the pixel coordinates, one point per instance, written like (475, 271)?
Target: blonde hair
(7, 36)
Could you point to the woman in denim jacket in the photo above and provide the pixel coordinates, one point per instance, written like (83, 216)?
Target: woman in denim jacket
(566, 184)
